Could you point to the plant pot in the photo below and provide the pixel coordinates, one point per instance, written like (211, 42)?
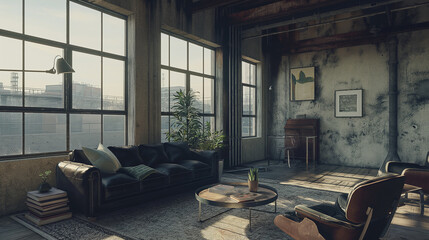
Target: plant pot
(44, 187)
(253, 185)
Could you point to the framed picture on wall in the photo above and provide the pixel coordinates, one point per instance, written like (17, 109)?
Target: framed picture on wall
(348, 103)
(302, 87)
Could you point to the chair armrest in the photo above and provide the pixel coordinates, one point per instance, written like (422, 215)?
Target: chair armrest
(417, 177)
(82, 184)
(208, 157)
(398, 167)
(303, 211)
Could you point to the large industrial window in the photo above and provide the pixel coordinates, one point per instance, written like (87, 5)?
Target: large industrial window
(44, 113)
(185, 66)
(248, 80)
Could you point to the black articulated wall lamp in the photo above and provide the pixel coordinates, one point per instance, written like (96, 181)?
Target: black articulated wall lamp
(60, 66)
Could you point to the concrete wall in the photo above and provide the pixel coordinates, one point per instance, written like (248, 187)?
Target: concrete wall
(361, 142)
(20, 176)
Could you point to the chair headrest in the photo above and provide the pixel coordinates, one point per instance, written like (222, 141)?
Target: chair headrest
(379, 193)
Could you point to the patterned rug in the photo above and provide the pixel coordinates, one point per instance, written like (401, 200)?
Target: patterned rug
(175, 217)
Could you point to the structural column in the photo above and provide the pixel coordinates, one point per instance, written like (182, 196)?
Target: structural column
(392, 154)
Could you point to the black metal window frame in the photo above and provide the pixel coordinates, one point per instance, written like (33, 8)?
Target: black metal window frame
(68, 50)
(188, 74)
(254, 116)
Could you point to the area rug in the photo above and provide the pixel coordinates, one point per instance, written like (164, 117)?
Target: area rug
(175, 217)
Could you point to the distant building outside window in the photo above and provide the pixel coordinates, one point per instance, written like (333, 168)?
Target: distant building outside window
(248, 80)
(44, 113)
(185, 66)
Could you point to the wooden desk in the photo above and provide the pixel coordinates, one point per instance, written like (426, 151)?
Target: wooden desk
(305, 131)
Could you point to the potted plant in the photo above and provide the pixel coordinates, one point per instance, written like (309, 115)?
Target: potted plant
(253, 179)
(187, 126)
(44, 186)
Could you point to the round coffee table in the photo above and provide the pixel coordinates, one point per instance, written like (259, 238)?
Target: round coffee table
(263, 196)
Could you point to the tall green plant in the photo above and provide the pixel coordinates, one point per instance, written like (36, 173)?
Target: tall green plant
(211, 140)
(187, 125)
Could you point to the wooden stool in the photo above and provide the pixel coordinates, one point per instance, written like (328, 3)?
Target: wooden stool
(414, 189)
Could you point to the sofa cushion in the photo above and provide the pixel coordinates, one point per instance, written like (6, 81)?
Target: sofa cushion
(80, 157)
(176, 152)
(199, 169)
(127, 156)
(101, 147)
(101, 160)
(152, 155)
(154, 181)
(176, 173)
(118, 185)
(138, 172)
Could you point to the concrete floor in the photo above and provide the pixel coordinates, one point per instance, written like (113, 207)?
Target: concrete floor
(407, 223)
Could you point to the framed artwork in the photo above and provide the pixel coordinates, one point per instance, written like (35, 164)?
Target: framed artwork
(348, 103)
(302, 86)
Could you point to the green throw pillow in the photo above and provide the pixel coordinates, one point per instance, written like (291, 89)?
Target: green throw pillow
(101, 160)
(139, 172)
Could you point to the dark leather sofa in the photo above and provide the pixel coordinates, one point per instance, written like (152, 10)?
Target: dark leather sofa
(177, 169)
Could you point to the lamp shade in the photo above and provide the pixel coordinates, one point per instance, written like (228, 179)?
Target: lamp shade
(63, 67)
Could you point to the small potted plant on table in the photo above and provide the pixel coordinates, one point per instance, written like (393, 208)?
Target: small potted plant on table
(253, 179)
(44, 186)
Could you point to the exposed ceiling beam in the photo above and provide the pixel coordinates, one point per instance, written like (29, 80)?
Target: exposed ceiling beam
(348, 39)
(207, 4)
(278, 10)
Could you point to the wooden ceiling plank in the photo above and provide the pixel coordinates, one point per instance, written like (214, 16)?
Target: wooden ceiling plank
(277, 10)
(207, 4)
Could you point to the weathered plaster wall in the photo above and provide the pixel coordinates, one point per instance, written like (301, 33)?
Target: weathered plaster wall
(361, 142)
(20, 176)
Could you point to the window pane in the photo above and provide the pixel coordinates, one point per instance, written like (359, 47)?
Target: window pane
(164, 128)
(46, 19)
(195, 58)
(10, 89)
(164, 90)
(86, 81)
(245, 126)
(197, 87)
(252, 101)
(10, 133)
(252, 74)
(113, 34)
(45, 132)
(177, 82)
(11, 15)
(245, 72)
(246, 100)
(85, 130)
(178, 53)
(41, 89)
(11, 53)
(209, 95)
(113, 84)
(113, 130)
(85, 27)
(252, 126)
(164, 49)
(209, 61)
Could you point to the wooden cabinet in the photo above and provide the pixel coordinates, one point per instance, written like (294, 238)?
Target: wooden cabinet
(298, 130)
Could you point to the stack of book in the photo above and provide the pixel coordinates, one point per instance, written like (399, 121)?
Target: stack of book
(47, 207)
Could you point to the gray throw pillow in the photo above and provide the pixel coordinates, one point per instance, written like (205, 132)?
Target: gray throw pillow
(101, 160)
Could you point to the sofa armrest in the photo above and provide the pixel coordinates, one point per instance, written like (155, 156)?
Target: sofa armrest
(417, 177)
(303, 211)
(208, 157)
(398, 167)
(82, 183)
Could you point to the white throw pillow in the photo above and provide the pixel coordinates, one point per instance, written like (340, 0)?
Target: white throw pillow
(101, 147)
(101, 160)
